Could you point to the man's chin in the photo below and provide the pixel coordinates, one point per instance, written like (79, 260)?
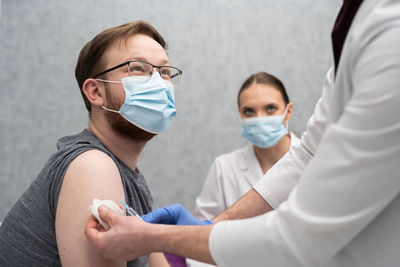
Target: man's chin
(133, 132)
(127, 130)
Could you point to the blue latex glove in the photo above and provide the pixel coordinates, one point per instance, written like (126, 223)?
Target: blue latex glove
(173, 214)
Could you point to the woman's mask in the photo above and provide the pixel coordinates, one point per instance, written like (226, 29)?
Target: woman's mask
(265, 131)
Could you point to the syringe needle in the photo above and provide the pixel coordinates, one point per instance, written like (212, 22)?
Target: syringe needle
(129, 210)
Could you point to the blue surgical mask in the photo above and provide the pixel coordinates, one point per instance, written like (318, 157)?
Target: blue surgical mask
(265, 131)
(149, 103)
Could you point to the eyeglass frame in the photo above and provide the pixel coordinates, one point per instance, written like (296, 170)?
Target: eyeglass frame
(129, 61)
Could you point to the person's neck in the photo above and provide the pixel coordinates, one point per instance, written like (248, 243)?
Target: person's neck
(126, 149)
(267, 157)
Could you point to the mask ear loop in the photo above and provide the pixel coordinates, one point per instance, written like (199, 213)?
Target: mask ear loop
(115, 111)
(284, 115)
(107, 81)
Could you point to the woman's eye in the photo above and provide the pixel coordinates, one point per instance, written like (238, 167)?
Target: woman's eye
(271, 109)
(248, 111)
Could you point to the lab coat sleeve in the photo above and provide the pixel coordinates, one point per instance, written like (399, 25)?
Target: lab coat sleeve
(277, 183)
(352, 177)
(210, 202)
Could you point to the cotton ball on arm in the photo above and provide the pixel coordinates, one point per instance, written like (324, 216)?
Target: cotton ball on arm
(109, 204)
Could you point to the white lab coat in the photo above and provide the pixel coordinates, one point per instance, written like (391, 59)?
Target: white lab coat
(337, 194)
(230, 177)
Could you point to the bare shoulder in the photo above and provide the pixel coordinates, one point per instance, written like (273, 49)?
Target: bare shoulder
(93, 166)
(93, 160)
(93, 174)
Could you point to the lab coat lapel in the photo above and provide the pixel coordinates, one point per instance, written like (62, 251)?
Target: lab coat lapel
(250, 166)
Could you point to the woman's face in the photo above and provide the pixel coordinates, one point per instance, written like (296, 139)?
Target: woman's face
(262, 100)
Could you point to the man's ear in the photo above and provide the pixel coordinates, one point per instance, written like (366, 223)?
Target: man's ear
(92, 91)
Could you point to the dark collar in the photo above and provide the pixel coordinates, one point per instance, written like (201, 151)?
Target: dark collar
(342, 26)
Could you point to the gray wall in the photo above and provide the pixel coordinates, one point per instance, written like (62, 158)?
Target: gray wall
(216, 43)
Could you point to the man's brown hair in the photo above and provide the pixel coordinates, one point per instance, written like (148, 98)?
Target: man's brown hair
(90, 60)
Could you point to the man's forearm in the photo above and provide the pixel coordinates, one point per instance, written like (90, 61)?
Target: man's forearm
(187, 241)
(250, 205)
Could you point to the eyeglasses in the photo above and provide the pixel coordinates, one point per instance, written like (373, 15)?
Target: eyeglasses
(143, 68)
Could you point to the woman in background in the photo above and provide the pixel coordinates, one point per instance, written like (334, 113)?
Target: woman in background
(265, 111)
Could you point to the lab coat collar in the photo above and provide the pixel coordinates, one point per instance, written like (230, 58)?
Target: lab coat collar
(249, 165)
(249, 158)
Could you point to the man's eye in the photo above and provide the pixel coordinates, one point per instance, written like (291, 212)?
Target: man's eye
(137, 69)
(165, 72)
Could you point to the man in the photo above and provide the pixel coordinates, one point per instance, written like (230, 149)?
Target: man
(126, 82)
(341, 183)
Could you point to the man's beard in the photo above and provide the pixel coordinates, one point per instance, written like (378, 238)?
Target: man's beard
(121, 125)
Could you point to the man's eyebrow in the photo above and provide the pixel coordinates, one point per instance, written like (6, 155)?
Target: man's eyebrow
(163, 62)
(166, 62)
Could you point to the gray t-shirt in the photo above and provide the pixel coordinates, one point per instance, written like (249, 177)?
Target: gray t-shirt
(27, 234)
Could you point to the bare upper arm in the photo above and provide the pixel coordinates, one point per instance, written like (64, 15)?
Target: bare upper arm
(92, 174)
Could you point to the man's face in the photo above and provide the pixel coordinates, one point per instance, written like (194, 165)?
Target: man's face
(137, 47)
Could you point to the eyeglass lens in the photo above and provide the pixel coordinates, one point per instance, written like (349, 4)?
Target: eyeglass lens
(138, 68)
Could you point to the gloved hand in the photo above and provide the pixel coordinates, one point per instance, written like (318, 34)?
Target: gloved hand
(173, 214)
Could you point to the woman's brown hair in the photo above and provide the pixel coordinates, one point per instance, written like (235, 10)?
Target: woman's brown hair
(267, 79)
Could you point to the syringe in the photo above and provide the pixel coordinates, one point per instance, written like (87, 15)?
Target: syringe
(129, 210)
